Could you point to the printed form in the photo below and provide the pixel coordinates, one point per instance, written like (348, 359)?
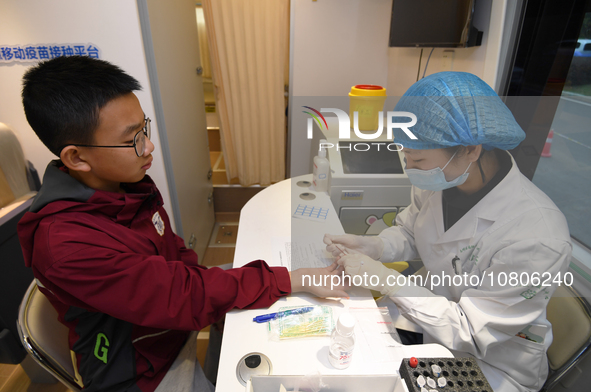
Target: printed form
(300, 252)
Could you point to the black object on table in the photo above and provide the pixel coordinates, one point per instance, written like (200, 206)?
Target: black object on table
(461, 374)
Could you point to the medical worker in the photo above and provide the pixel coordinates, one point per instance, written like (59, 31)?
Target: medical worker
(473, 216)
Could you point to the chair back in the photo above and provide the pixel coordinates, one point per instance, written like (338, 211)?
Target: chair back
(398, 266)
(15, 199)
(570, 316)
(14, 183)
(45, 338)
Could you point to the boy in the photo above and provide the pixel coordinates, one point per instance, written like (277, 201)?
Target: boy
(100, 243)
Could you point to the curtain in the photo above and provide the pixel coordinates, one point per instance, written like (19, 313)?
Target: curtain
(247, 43)
(203, 45)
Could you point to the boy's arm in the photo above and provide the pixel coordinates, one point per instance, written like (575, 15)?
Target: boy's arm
(187, 255)
(151, 291)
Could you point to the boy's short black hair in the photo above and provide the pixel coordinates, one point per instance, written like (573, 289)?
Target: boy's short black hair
(62, 98)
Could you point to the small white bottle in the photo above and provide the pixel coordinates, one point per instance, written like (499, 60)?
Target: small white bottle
(321, 169)
(342, 342)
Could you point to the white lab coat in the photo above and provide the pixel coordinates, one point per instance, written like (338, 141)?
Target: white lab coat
(515, 227)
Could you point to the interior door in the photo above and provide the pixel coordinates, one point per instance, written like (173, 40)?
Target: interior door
(172, 52)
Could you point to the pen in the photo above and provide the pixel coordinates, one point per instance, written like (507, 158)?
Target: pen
(266, 317)
(456, 266)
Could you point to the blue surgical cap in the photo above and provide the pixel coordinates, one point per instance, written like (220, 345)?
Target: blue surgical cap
(456, 108)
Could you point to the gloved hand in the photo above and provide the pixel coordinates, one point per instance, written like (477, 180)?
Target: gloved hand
(371, 246)
(323, 274)
(357, 264)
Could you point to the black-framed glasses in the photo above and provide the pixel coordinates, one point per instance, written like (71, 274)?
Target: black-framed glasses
(139, 140)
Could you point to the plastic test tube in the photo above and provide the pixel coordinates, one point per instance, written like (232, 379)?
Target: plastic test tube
(436, 370)
(441, 381)
(421, 381)
(431, 383)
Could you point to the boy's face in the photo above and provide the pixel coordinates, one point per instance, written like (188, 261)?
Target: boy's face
(119, 121)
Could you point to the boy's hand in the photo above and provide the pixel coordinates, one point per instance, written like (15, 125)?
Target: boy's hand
(303, 279)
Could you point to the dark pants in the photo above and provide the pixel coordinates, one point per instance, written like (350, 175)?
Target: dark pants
(212, 356)
(409, 338)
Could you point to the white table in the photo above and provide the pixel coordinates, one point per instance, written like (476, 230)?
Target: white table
(266, 216)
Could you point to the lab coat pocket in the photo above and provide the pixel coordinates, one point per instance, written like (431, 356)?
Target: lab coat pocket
(522, 359)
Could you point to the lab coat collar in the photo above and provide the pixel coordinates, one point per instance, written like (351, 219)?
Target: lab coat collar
(486, 212)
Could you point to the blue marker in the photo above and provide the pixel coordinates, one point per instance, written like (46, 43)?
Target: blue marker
(266, 317)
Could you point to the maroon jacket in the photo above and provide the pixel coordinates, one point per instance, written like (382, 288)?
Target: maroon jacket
(124, 283)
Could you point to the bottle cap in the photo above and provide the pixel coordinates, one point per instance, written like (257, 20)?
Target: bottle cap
(322, 151)
(346, 323)
(367, 90)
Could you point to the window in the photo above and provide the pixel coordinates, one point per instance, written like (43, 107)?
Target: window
(565, 176)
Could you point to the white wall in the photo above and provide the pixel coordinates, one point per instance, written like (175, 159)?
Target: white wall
(339, 43)
(480, 60)
(335, 44)
(112, 25)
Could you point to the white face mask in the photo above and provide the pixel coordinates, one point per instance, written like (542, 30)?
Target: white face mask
(434, 179)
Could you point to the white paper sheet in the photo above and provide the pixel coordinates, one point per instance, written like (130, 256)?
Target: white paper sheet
(300, 252)
(399, 320)
(376, 337)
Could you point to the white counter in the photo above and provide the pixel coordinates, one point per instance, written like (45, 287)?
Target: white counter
(266, 216)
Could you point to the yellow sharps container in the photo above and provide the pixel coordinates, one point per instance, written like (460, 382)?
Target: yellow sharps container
(368, 100)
